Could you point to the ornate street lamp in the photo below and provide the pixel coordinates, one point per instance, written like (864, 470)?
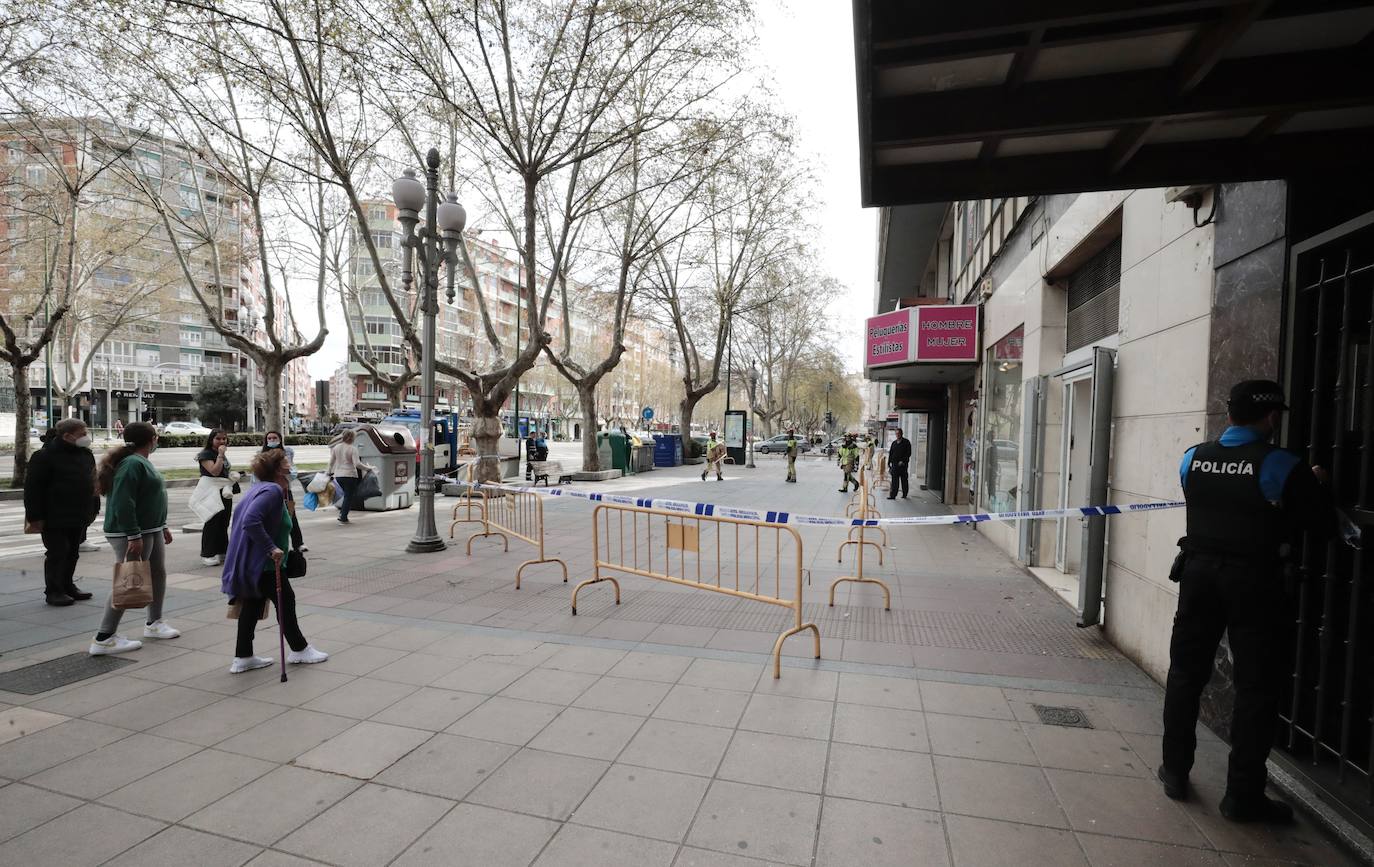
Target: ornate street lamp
(753, 387)
(435, 243)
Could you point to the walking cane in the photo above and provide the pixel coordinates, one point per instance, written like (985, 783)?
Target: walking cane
(281, 635)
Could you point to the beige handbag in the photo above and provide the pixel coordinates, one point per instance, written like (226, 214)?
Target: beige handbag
(133, 585)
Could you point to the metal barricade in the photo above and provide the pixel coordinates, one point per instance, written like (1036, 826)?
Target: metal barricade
(472, 501)
(521, 515)
(667, 546)
(864, 513)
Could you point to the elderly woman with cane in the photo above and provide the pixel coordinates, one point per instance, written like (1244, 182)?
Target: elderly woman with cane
(253, 567)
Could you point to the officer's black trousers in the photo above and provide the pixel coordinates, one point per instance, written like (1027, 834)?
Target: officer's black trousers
(1246, 601)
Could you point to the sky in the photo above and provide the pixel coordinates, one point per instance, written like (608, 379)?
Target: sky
(808, 47)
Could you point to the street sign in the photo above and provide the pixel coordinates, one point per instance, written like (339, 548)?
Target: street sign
(648, 413)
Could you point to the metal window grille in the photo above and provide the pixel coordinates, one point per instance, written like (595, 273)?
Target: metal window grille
(1095, 298)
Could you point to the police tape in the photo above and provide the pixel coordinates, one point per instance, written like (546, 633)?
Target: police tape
(777, 516)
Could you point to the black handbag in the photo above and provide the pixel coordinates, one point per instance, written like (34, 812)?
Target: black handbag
(295, 564)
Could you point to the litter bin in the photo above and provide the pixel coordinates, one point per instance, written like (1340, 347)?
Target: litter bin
(391, 449)
(667, 450)
(643, 458)
(613, 448)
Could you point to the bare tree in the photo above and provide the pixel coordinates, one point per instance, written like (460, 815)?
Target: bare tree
(779, 338)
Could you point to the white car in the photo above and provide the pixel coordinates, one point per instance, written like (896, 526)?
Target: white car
(185, 427)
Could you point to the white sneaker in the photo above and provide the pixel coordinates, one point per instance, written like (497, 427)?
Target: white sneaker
(212, 561)
(309, 656)
(304, 549)
(248, 663)
(88, 546)
(113, 644)
(159, 629)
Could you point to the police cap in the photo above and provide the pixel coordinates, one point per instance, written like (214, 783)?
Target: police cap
(1256, 393)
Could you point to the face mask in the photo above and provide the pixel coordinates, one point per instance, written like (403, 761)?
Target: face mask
(83, 441)
(274, 444)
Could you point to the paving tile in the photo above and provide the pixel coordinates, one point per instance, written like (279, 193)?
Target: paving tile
(687, 636)
(592, 733)
(304, 684)
(418, 669)
(995, 740)
(53, 746)
(993, 790)
(482, 676)
(986, 843)
(272, 806)
(896, 777)
(213, 723)
(781, 715)
(881, 727)
(476, 835)
(719, 674)
(97, 694)
(876, 652)
(551, 685)
(406, 638)
(576, 846)
(771, 824)
(775, 760)
(1122, 807)
(24, 807)
(855, 832)
(689, 857)
(181, 789)
(393, 819)
(1299, 843)
(587, 660)
(507, 720)
(662, 667)
(176, 847)
(798, 683)
(364, 750)
(364, 659)
(1021, 703)
(360, 698)
(447, 766)
(623, 695)
(538, 783)
(155, 708)
(1118, 852)
(678, 746)
(91, 834)
(281, 859)
(707, 706)
(965, 700)
(284, 737)
(429, 708)
(1075, 749)
(880, 691)
(179, 668)
(1146, 717)
(106, 769)
(1210, 759)
(18, 722)
(643, 802)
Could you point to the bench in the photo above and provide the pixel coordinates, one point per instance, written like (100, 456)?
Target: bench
(545, 469)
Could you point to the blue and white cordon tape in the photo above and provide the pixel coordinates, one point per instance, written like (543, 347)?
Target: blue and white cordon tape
(769, 516)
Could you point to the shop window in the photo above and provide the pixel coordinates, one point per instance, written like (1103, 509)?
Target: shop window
(1094, 298)
(1000, 470)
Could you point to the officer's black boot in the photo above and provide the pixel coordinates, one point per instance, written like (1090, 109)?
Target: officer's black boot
(1257, 808)
(1175, 784)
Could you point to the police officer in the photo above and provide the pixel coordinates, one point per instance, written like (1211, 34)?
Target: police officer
(849, 462)
(715, 456)
(898, 457)
(791, 455)
(1246, 499)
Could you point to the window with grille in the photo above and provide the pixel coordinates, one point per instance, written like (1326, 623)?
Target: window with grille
(1095, 298)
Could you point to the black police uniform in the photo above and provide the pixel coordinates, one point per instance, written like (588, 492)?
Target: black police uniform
(1245, 499)
(898, 457)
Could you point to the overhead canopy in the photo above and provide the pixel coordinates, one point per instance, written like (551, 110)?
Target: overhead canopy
(906, 242)
(967, 99)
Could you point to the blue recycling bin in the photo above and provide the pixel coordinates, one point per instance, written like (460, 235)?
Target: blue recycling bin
(667, 450)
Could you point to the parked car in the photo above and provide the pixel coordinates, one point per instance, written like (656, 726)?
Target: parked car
(778, 444)
(185, 428)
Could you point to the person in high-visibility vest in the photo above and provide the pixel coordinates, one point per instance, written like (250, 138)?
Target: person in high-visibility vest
(849, 462)
(791, 455)
(715, 456)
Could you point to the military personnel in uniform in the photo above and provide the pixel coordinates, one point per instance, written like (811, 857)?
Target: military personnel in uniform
(791, 455)
(1247, 499)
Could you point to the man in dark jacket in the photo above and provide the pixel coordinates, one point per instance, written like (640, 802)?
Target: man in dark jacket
(60, 502)
(898, 457)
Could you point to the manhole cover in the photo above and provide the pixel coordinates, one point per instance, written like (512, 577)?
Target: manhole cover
(43, 676)
(1062, 716)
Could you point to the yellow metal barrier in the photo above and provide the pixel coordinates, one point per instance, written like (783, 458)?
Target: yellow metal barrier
(882, 469)
(864, 514)
(667, 546)
(520, 515)
(469, 502)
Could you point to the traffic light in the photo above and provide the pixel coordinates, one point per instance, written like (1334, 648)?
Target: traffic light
(829, 418)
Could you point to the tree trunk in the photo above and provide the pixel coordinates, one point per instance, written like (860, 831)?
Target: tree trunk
(271, 376)
(486, 436)
(591, 460)
(396, 393)
(686, 407)
(23, 412)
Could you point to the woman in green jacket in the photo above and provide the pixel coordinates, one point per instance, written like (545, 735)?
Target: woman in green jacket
(136, 525)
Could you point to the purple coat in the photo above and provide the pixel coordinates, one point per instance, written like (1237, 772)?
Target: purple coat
(257, 518)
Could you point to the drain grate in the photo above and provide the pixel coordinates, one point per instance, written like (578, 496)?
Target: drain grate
(44, 676)
(1071, 717)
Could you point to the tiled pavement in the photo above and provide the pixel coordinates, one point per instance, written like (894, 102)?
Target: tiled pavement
(460, 722)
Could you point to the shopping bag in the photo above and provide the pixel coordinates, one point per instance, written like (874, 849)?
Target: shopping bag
(236, 608)
(338, 492)
(133, 585)
(327, 495)
(318, 483)
(207, 497)
(311, 501)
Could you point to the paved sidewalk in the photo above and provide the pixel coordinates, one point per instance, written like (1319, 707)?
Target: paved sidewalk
(462, 722)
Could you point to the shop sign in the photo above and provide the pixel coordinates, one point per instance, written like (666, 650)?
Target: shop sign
(947, 332)
(887, 338)
(1009, 348)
